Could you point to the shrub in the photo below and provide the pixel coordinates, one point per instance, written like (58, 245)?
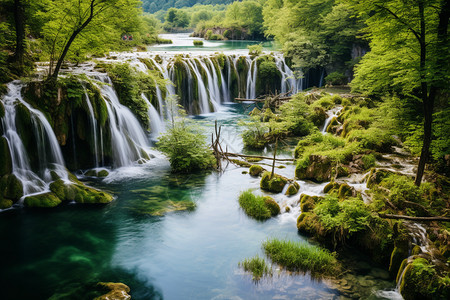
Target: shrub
(301, 256)
(336, 78)
(257, 207)
(255, 50)
(198, 43)
(257, 266)
(185, 145)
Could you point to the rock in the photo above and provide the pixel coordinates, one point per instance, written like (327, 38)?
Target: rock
(97, 173)
(272, 205)
(318, 116)
(292, 189)
(256, 170)
(307, 202)
(287, 209)
(5, 157)
(342, 172)
(346, 191)
(275, 184)
(5, 203)
(2, 110)
(331, 128)
(115, 291)
(330, 187)
(319, 169)
(46, 200)
(12, 187)
(376, 176)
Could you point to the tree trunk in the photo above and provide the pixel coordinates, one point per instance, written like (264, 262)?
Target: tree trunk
(55, 73)
(19, 20)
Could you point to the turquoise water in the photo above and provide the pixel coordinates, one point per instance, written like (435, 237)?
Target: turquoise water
(182, 42)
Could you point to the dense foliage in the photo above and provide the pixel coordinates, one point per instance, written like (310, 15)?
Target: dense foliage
(153, 6)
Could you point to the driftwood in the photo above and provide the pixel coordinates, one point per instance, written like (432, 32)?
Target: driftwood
(257, 156)
(419, 219)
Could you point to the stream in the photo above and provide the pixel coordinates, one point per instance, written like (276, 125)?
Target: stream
(148, 240)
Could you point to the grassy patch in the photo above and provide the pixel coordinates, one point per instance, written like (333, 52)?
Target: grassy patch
(257, 266)
(257, 207)
(301, 256)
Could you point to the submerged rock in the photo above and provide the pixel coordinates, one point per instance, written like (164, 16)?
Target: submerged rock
(116, 291)
(274, 184)
(97, 173)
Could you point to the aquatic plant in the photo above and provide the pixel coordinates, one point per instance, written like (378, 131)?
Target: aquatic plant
(257, 266)
(301, 256)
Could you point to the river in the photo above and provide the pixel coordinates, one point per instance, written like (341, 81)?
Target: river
(185, 254)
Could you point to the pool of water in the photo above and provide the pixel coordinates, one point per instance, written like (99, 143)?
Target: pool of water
(183, 42)
(191, 254)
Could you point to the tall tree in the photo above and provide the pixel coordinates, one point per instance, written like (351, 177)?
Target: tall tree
(410, 55)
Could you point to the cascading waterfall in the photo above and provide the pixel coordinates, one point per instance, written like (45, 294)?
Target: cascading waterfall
(156, 122)
(128, 140)
(251, 79)
(333, 113)
(202, 92)
(48, 150)
(288, 80)
(94, 128)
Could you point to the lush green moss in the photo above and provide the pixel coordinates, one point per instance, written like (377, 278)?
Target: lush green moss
(46, 200)
(5, 157)
(198, 43)
(256, 170)
(345, 191)
(272, 205)
(301, 256)
(5, 203)
(258, 207)
(11, 187)
(316, 168)
(307, 202)
(273, 184)
(292, 189)
(257, 266)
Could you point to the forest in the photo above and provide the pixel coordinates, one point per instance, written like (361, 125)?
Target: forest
(144, 143)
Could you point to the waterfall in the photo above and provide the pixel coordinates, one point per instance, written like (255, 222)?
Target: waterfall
(332, 113)
(251, 79)
(288, 80)
(94, 127)
(48, 150)
(202, 93)
(156, 122)
(128, 140)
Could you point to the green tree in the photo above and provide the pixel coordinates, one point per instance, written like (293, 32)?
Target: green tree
(410, 55)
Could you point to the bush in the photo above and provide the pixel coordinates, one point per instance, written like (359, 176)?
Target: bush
(301, 256)
(255, 50)
(257, 266)
(185, 145)
(198, 43)
(257, 207)
(336, 78)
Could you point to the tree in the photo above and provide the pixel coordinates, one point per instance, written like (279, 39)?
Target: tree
(410, 55)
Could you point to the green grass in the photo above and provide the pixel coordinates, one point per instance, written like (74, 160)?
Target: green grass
(198, 43)
(257, 266)
(301, 256)
(254, 206)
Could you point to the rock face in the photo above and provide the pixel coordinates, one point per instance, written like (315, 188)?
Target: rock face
(116, 291)
(5, 157)
(318, 169)
(274, 184)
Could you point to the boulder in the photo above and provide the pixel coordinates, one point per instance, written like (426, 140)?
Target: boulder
(307, 202)
(318, 169)
(272, 205)
(46, 200)
(5, 203)
(292, 189)
(274, 184)
(256, 170)
(11, 187)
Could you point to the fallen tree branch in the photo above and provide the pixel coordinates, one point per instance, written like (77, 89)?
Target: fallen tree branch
(256, 156)
(423, 219)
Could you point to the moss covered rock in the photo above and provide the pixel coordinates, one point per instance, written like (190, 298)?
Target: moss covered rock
(272, 205)
(116, 291)
(274, 184)
(5, 157)
(97, 173)
(5, 203)
(345, 191)
(317, 168)
(292, 189)
(376, 176)
(331, 128)
(46, 200)
(318, 116)
(307, 202)
(256, 170)
(331, 187)
(11, 187)
(2, 110)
